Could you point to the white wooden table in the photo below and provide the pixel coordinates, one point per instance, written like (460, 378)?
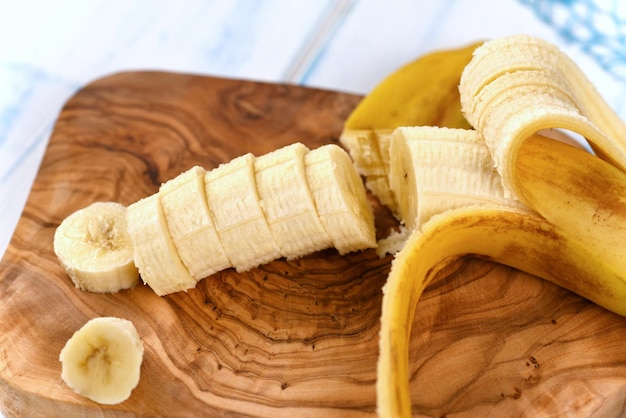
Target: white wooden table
(48, 50)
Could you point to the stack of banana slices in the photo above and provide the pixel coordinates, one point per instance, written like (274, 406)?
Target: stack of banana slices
(538, 182)
(288, 203)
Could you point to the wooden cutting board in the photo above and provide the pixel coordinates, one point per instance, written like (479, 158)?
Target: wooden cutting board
(291, 338)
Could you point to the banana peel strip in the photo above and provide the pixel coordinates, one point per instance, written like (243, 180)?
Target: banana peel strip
(513, 88)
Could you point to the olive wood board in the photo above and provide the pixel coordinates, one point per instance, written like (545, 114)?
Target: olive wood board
(294, 338)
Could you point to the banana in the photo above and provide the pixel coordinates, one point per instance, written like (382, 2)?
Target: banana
(94, 248)
(233, 199)
(559, 211)
(434, 169)
(340, 198)
(155, 255)
(190, 224)
(102, 360)
(287, 202)
(422, 92)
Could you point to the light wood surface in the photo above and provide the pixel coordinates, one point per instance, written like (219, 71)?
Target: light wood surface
(291, 338)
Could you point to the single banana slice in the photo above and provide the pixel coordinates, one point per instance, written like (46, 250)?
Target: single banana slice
(94, 247)
(239, 220)
(155, 255)
(190, 224)
(102, 360)
(287, 202)
(340, 198)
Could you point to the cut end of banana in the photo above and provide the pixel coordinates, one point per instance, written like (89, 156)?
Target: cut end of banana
(94, 247)
(102, 360)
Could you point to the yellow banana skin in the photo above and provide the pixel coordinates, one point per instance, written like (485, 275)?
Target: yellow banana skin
(505, 235)
(578, 192)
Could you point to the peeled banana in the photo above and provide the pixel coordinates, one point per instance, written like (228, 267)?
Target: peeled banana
(506, 192)
(95, 249)
(434, 169)
(102, 360)
(288, 203)
(340, 199)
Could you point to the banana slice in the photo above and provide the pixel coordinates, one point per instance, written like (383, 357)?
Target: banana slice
(239, 220)
(102, 360)
(366, 149)
(340, 198)
(287, 202)
(94, 247)
(190, 224)
(159, 264)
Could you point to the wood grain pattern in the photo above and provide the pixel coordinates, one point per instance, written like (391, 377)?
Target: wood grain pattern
(291, 338)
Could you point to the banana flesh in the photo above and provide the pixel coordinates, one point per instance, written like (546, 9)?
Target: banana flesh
(94, 247)
(340, 199)
(190, 224)
(365, 146)
(434, 169)
(421, 93)
(102, 360)
(239, 219)
(518, 85)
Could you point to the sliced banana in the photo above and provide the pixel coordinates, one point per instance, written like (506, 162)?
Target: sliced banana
(102, 360)
(94, 248)
(287, 202)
